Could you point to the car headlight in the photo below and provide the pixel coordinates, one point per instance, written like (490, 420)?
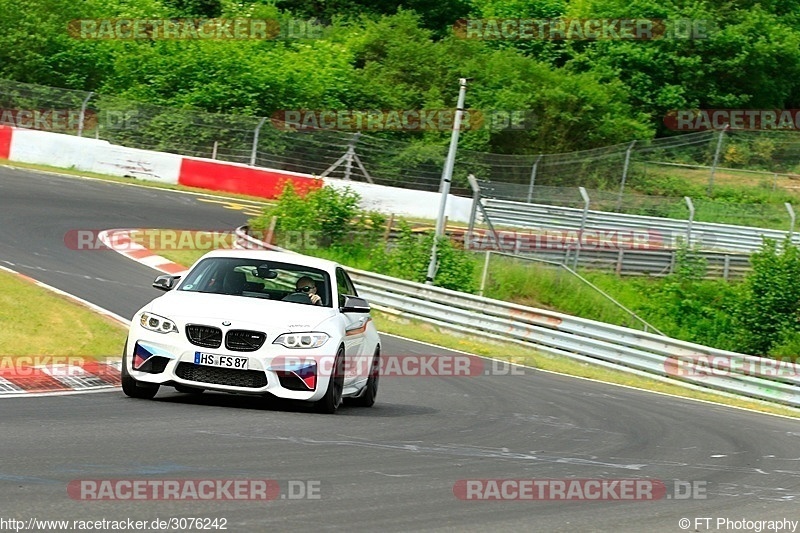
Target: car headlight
(310, 339)
(157, 323)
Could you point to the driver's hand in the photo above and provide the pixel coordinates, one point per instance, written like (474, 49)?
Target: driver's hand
(315, 299)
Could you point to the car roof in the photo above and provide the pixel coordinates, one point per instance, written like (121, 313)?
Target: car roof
(269, 255)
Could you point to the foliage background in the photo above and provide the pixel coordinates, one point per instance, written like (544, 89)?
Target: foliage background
(405, 55)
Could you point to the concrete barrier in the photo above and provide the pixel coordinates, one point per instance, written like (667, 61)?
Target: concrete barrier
(6, 133)
(235, 177)
(92, 155)
(406, 202)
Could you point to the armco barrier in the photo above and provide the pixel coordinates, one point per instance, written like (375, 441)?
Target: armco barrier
(654, 259)
(622, 348)
(709, 236)
(238, 178)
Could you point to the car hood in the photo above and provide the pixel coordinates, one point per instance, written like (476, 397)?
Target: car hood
(240, 311)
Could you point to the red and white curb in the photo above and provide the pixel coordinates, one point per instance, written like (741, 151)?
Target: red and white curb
(36, 375)
(16, 378)
(27, 375)
(120, 241)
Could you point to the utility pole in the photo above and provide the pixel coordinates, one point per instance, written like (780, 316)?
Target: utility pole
(447, 175)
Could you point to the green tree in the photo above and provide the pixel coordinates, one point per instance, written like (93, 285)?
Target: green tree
(743, 56)
(36, 45)
(399, 66)
(196, 8)
(438, 17)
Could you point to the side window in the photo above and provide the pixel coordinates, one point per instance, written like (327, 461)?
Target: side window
(351, 287)
(343, 285)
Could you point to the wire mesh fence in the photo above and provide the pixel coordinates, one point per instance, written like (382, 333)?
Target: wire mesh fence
(766, 159)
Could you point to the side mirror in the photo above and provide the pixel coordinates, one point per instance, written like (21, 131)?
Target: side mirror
(165, 282)
(354, 304)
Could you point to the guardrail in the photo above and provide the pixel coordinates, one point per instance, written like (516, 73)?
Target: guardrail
(657, 261)
(630, 350)
(707, 235)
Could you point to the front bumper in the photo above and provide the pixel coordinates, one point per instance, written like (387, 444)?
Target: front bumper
(169, 359)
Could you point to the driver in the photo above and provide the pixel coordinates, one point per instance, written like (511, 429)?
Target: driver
(306, 285)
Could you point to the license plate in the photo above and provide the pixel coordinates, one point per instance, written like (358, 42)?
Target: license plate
(223, 361)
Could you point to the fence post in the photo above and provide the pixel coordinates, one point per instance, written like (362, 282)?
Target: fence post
(690, 205)
(625, 173)
(485, 272)
(476, 198)
(271, 231)
(790, 209)
(585, 197)
(351, 152)
(82, 116)
(388, 231)
(716, 160)
(255, 142)
(533, 177)
(214, 150)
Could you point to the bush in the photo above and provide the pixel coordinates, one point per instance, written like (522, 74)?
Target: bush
(324, 217)
(412, 253)
(327, 222)
(767, 312)
(688, 307)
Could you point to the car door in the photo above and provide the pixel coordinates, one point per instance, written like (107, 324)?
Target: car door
(355, 331)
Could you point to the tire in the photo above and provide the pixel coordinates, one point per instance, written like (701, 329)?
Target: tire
(188, 390)
(333, 396)
(131, 387)
(367, 398)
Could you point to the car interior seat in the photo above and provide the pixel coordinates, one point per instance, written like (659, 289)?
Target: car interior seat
(234, 283)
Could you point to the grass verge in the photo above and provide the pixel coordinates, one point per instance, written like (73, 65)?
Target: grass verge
(515, 353)
(45, 323)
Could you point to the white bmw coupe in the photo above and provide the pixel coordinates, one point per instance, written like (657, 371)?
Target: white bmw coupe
(260, 323)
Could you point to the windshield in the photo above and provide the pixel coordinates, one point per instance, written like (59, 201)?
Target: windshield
(256, 278)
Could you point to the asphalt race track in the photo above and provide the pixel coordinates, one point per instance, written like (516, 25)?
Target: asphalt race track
(390, 468)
